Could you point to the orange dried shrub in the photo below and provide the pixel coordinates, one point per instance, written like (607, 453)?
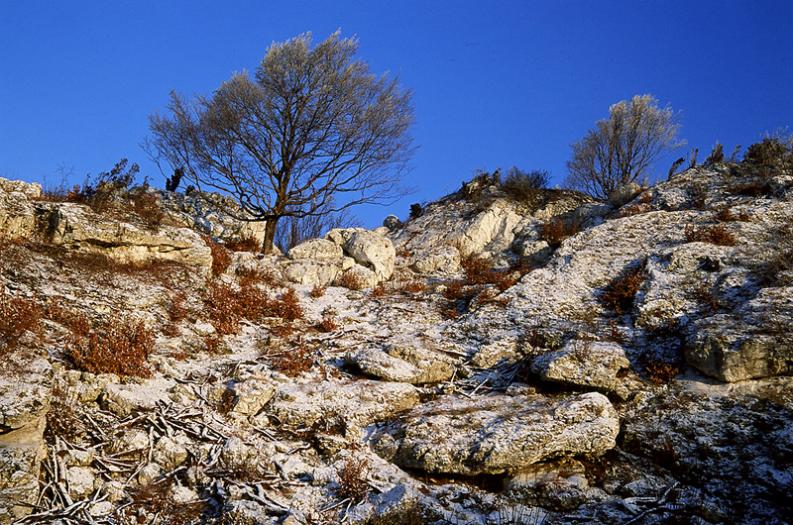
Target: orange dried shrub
(317, 291)
(479, 270)
(351, 281)
(328, 323)
(661, 372)
(620, 294)
(248, 244)
(287, 306)
(223, 307)
(17, 316)
(718, 235)
(147, 207)
(557, 230)
(413, 287)
(379, 291)
(294, 362)
(251, 277)
(220, 256)
(119, 346)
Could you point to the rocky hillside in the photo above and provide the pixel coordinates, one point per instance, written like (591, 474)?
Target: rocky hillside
(499, 358)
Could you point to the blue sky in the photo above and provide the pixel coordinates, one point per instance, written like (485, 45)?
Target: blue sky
(495, 83)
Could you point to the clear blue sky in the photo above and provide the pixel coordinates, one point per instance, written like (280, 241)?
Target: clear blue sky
(496, 83)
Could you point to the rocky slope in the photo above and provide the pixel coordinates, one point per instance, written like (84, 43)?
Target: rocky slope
(497, 359)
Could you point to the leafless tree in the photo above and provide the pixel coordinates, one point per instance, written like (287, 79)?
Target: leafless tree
(621, 148)
(312, 132)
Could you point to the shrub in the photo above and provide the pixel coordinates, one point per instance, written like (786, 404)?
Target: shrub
(557, 230)
(17, 316)
(248, 244)
(772, 151)
(413, 287)
(317, 291)
(147, 207)
(661, 372)
(224, 308)
(717, 234)
(252, 277)
(479, 271)
(379, 291)
(220, 256)
(351, 281)
(353, 482)
(524, 186)
(227, 306)
(620, 293)
(416, 210)
(716, 155)
(294, 362)
(328, 323)
(726, 215)
(119, 346)
(287, 306)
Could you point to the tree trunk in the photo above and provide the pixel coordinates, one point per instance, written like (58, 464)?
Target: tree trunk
(269, 234)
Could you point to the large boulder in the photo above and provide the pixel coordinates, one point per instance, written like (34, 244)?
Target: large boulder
(355, 404)
(317, 250)
(404, 364)
(368, 248)
(311, 272)
(494, 435)
(592, 364)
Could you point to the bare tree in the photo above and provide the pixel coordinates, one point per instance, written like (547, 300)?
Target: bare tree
(621, 148)
(312, 132)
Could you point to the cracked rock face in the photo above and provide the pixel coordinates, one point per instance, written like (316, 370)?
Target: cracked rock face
(403, 364)
(498, 434)
(586, 364)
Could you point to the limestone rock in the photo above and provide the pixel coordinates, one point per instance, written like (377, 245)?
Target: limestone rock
(392, 222)
(80, 481)
(317, 250)
(624, 194)
(17, 216)
(368, 248)
(251, 395)
(78, 227)
(584, 363)
(493, 435)
(310, 272)
(358, 403)
(31, 190)
(404, 364)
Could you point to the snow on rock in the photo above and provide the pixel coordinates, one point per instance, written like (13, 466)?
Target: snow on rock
(493, 435)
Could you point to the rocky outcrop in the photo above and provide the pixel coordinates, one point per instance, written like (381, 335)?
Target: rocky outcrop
(77, 227)
(17, 216)
(493, 435)
(368, 248)
(404, 364)
(592, 364)
(31, 190)
(24, 401)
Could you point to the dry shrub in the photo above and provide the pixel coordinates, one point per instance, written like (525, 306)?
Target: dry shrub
(413, 287)
(454, 291)
(479, 271)
(524, 186)
(77, 324)
(227, 307)
(351, 281)
(220, 256)
(317, 291)
(214, 344)
(294, 362)
(726, 215)
(353, 482)
(329, 322)
(119, 346)
(226, 402)
(17, 316)
(287, 306)
(557, 230)
(620, 293)
(254, 276)
(248, 244)
(224, 308)
(490, 296)
(774, 151)
(147, 207)
(63, 421)
(379, 291)
(717, 234)
(752, 188)
(661, 372)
